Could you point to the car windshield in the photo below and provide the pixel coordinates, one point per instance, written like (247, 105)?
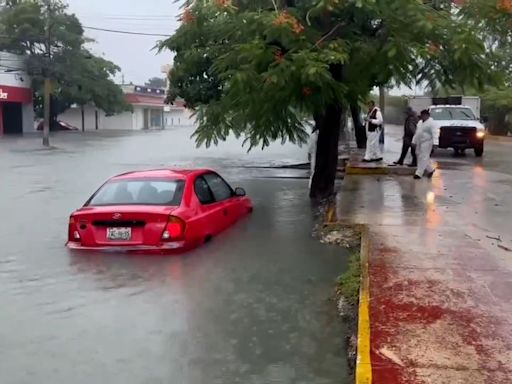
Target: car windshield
(139, 192)
(452, 113)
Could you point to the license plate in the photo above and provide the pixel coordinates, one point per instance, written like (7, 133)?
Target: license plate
(122, 234)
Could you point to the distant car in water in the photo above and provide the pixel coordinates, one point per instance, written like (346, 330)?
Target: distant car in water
(157, 210)
(58, 126)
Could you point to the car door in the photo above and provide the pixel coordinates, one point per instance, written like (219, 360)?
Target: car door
(214, 217)
(224, 196)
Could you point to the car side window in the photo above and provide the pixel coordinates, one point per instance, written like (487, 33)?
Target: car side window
(203, 192)
(221, 190)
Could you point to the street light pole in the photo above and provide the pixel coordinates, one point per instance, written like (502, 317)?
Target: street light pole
(47, 81)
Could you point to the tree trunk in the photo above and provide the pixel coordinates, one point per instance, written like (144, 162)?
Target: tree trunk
(359, 129)
(53, 115)
(324, 177)
(382, 104)
(82, 112)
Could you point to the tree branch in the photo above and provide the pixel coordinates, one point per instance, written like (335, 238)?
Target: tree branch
(334, 29)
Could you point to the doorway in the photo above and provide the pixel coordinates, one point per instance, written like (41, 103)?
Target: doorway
(12, 118)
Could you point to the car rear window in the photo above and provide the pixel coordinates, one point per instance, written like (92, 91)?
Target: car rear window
(139, 192)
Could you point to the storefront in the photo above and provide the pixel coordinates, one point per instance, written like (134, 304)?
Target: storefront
(16, 108)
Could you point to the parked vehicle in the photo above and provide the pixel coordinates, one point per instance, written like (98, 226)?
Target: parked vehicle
(58, 126)
(157, 210)
(458, 123)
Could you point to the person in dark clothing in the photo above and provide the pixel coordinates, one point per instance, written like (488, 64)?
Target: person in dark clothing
(411, 121)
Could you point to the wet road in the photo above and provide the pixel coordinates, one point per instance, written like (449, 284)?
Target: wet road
(250, 307)
(477, 192)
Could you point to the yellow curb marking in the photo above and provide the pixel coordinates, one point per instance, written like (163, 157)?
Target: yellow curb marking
(363, 362)
(365, 171)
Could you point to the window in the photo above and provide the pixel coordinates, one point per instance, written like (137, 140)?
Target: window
(203, 192)
(139, 192)
(452, 113)
(221, 190)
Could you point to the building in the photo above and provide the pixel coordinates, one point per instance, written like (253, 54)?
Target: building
(16, 107)
(149, 112)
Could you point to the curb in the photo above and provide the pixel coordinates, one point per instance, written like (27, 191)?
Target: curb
(398, 171)
(350, 170)
(501, 139)
(363, 360)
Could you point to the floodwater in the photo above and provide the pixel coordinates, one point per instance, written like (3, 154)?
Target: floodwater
(250, 307)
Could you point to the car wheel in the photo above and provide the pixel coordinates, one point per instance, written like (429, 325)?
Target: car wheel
(479, 151)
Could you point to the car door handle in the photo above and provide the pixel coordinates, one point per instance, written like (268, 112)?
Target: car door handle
(226, 212)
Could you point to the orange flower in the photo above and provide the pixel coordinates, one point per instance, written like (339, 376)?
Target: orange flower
(505, 5)
(433, 48)
(223, 3)
(279, 56)
(188, 17)
(306, 91)
(284, 18)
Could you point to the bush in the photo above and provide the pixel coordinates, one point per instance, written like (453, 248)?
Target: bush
(349, 282)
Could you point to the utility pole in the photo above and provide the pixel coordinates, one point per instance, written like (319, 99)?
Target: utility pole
(47, 81)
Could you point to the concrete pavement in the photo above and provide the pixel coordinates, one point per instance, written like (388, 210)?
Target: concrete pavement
(440, 269)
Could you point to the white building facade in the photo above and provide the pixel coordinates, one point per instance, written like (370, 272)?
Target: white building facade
(16, 106)
(149, 112)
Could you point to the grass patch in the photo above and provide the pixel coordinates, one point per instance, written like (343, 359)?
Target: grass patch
(349, 282)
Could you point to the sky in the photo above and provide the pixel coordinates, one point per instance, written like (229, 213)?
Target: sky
(134, 54)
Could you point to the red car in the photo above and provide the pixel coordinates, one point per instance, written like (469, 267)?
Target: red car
(157, 210)
(58, 126)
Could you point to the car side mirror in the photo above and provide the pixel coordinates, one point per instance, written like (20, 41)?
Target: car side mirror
(484, 119)
(240, 192)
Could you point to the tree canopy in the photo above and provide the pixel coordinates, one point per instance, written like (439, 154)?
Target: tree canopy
(54, 43)
(255, 68)
(156, 82)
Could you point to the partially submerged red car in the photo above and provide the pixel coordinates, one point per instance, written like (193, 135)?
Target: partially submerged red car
(157, 210)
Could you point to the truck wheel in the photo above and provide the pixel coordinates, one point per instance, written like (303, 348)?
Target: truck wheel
(479, 151)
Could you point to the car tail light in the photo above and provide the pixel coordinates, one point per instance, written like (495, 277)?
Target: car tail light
(174, 230)
(73, 234)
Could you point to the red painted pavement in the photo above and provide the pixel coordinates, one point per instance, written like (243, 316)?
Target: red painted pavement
(440, 309)
(440, 288)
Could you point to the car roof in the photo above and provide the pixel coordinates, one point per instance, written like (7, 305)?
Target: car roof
(162, 173)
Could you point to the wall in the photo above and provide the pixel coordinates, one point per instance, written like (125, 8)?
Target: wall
(73, 116)
(178, 117)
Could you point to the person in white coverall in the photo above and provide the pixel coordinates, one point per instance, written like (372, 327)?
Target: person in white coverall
(374, 123)
(423, 140)
(313, 139)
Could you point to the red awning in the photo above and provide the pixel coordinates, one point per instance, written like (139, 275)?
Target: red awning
(15, 94)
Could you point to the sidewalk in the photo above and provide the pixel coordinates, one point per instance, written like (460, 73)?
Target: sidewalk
(440, 287)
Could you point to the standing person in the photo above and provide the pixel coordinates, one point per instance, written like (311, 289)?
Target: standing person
(423, 140)
(313, 139)
(374, 122)
(411, 121)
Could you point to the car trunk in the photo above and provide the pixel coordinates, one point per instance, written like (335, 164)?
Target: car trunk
(122, 226)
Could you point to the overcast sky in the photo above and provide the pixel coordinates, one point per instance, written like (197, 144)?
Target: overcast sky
(133, 54)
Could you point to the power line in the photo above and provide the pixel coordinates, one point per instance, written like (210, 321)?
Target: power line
(126, 32)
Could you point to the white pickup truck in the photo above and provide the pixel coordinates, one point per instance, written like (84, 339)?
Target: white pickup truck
(457, 121)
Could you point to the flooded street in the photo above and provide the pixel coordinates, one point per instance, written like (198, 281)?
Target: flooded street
(250, 307)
